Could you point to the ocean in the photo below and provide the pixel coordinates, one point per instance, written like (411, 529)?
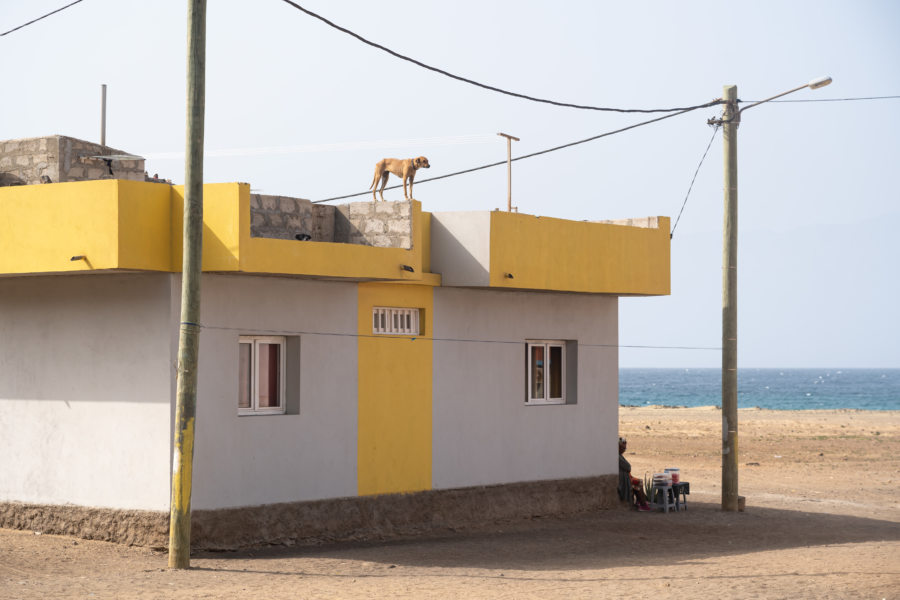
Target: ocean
(776, 389)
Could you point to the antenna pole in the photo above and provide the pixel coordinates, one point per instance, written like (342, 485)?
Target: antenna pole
(509, 140)
(103, 114)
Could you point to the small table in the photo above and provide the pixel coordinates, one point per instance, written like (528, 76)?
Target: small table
(681, 491)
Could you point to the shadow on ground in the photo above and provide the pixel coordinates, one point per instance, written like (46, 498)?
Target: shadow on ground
(607, 539)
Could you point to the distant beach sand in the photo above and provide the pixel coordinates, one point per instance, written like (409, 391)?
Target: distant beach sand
(822, 521)
(816, 460)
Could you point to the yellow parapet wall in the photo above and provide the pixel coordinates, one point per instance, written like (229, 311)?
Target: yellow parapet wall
(543, 253)
(129, 225)
(226, 225)
(227, 245)
(108, 224)
(111, 224)
(145, 225)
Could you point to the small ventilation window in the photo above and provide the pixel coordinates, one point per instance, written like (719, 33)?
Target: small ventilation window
(395, 321)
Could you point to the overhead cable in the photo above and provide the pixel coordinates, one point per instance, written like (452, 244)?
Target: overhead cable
(523, 157)
(694, 178)
(39, 18)
(490, 87)
(424, 338)
(831, 99)
(337, 146)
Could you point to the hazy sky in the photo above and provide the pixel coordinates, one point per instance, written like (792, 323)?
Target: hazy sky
(295, 107)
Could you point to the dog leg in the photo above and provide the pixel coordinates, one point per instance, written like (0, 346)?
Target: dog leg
(384, 180)
(374, 185)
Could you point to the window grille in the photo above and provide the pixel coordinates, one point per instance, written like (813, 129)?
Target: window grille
(395, 321)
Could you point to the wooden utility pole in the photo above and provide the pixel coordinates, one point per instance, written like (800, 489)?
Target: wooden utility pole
(730, 121)
(189, 333)
(509, 141)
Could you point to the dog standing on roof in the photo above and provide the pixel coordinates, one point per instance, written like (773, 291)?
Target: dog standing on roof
(404, 168)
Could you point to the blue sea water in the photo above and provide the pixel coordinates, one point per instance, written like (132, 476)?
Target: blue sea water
(776, 389)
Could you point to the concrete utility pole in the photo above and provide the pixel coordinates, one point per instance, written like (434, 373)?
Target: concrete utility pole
(103, 114)
(509, 141)
(189, 334)
(730, 120)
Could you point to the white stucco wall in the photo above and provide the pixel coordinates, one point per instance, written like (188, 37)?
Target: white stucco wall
(461, 247)
(483, 431)
(85, 367)
(87, 385)
(253, 460)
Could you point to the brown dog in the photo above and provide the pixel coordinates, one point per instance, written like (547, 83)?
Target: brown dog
(403, 168)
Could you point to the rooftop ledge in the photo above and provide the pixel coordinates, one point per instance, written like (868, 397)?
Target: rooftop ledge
(517, 251)
(121, 225)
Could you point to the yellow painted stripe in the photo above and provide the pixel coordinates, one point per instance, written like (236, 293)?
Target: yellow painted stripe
(394, 412)
(182, 467)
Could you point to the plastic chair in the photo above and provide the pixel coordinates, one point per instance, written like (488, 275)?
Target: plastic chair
(662, 496)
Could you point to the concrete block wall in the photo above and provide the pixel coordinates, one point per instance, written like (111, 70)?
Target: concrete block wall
(323, 223)
(75, 164)
(61, 158)
(283, 217)
(279, 217)
(381, 224)
(643, 222)
(23, 162)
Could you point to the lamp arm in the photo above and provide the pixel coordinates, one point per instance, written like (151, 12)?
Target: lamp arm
(796, 89)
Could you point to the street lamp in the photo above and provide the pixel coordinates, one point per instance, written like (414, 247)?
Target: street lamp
(730, 120)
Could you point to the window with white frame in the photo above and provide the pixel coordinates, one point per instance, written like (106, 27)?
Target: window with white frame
(395, 321)
(546, 372)
(261, 375)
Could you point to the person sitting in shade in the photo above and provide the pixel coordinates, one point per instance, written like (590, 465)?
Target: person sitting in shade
(630, 488)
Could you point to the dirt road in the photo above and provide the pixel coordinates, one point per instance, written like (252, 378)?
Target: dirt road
(822, 521)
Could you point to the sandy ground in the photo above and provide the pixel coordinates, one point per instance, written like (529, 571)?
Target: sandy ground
(822, 521)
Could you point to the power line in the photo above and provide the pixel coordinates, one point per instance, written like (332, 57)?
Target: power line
(832, 99)
(441, 339)
(523, 157)
(490, 87)
(455, 140)
(39, 18)
(590, 139)
(693, 179)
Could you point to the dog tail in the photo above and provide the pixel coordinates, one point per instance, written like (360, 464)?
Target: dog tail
(374, 179)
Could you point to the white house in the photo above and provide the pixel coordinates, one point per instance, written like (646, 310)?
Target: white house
(411, 371)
